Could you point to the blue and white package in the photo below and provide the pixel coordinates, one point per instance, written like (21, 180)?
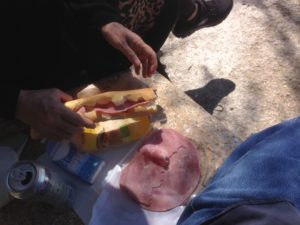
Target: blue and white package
(85, 166)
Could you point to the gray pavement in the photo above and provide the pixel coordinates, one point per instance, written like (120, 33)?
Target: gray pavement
(245, 71)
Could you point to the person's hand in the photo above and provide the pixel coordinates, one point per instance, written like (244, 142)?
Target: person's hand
(45, 112)
(132, 46)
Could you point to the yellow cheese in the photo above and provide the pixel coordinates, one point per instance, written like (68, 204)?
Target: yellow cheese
(114, 132)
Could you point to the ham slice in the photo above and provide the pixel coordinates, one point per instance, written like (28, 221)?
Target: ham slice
(116, 97)
(163, 173)
(111, 108)
(115, 104)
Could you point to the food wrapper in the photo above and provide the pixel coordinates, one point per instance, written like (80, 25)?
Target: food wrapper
(112, 133)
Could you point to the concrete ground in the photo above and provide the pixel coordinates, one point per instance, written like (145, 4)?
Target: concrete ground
(245, 72)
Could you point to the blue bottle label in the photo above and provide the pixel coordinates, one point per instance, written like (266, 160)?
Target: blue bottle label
(85, 166)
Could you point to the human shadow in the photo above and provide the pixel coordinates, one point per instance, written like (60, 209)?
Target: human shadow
(161, 67)
(212, 93)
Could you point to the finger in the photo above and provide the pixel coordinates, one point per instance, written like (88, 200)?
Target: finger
(132, 57)
(148, 69)
(152, 61)
(145, 67)
(137, 69)
(87, 122)
(64, 97)
(75, 118)
(147, 56)
(68, 128)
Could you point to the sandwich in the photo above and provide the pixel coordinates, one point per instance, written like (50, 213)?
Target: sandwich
(115, 104)
(120, 117)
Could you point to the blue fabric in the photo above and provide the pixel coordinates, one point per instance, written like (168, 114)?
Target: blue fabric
(258, 213)
(265, 167)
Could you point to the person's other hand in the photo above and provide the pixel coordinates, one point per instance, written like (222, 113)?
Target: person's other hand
(45, 112)
(132, 46)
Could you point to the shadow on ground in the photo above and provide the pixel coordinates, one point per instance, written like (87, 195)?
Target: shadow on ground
(212, 93)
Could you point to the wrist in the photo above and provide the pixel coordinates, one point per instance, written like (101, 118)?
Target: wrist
(109, 26)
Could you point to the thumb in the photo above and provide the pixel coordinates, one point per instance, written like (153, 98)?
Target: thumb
(64, 97)
(131, 56)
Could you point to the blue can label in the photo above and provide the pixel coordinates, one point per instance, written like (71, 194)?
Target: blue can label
(85, 166)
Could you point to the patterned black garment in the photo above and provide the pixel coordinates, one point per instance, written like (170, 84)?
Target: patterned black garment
(140, 15)
(49, 43)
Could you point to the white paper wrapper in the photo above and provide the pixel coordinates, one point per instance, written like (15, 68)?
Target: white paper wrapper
(114, 207)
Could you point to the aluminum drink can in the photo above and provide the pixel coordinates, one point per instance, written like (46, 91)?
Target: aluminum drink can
(29, 181)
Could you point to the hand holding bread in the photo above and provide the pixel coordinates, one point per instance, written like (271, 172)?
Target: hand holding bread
(120, 117)
(44, 111)
(92, 122)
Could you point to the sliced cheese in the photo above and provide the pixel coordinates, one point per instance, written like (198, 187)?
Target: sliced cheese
(114, 132)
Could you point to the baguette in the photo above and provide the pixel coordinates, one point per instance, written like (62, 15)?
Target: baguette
(116, 97)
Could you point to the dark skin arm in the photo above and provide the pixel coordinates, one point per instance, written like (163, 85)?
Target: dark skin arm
(44, 111)
(132, 46)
